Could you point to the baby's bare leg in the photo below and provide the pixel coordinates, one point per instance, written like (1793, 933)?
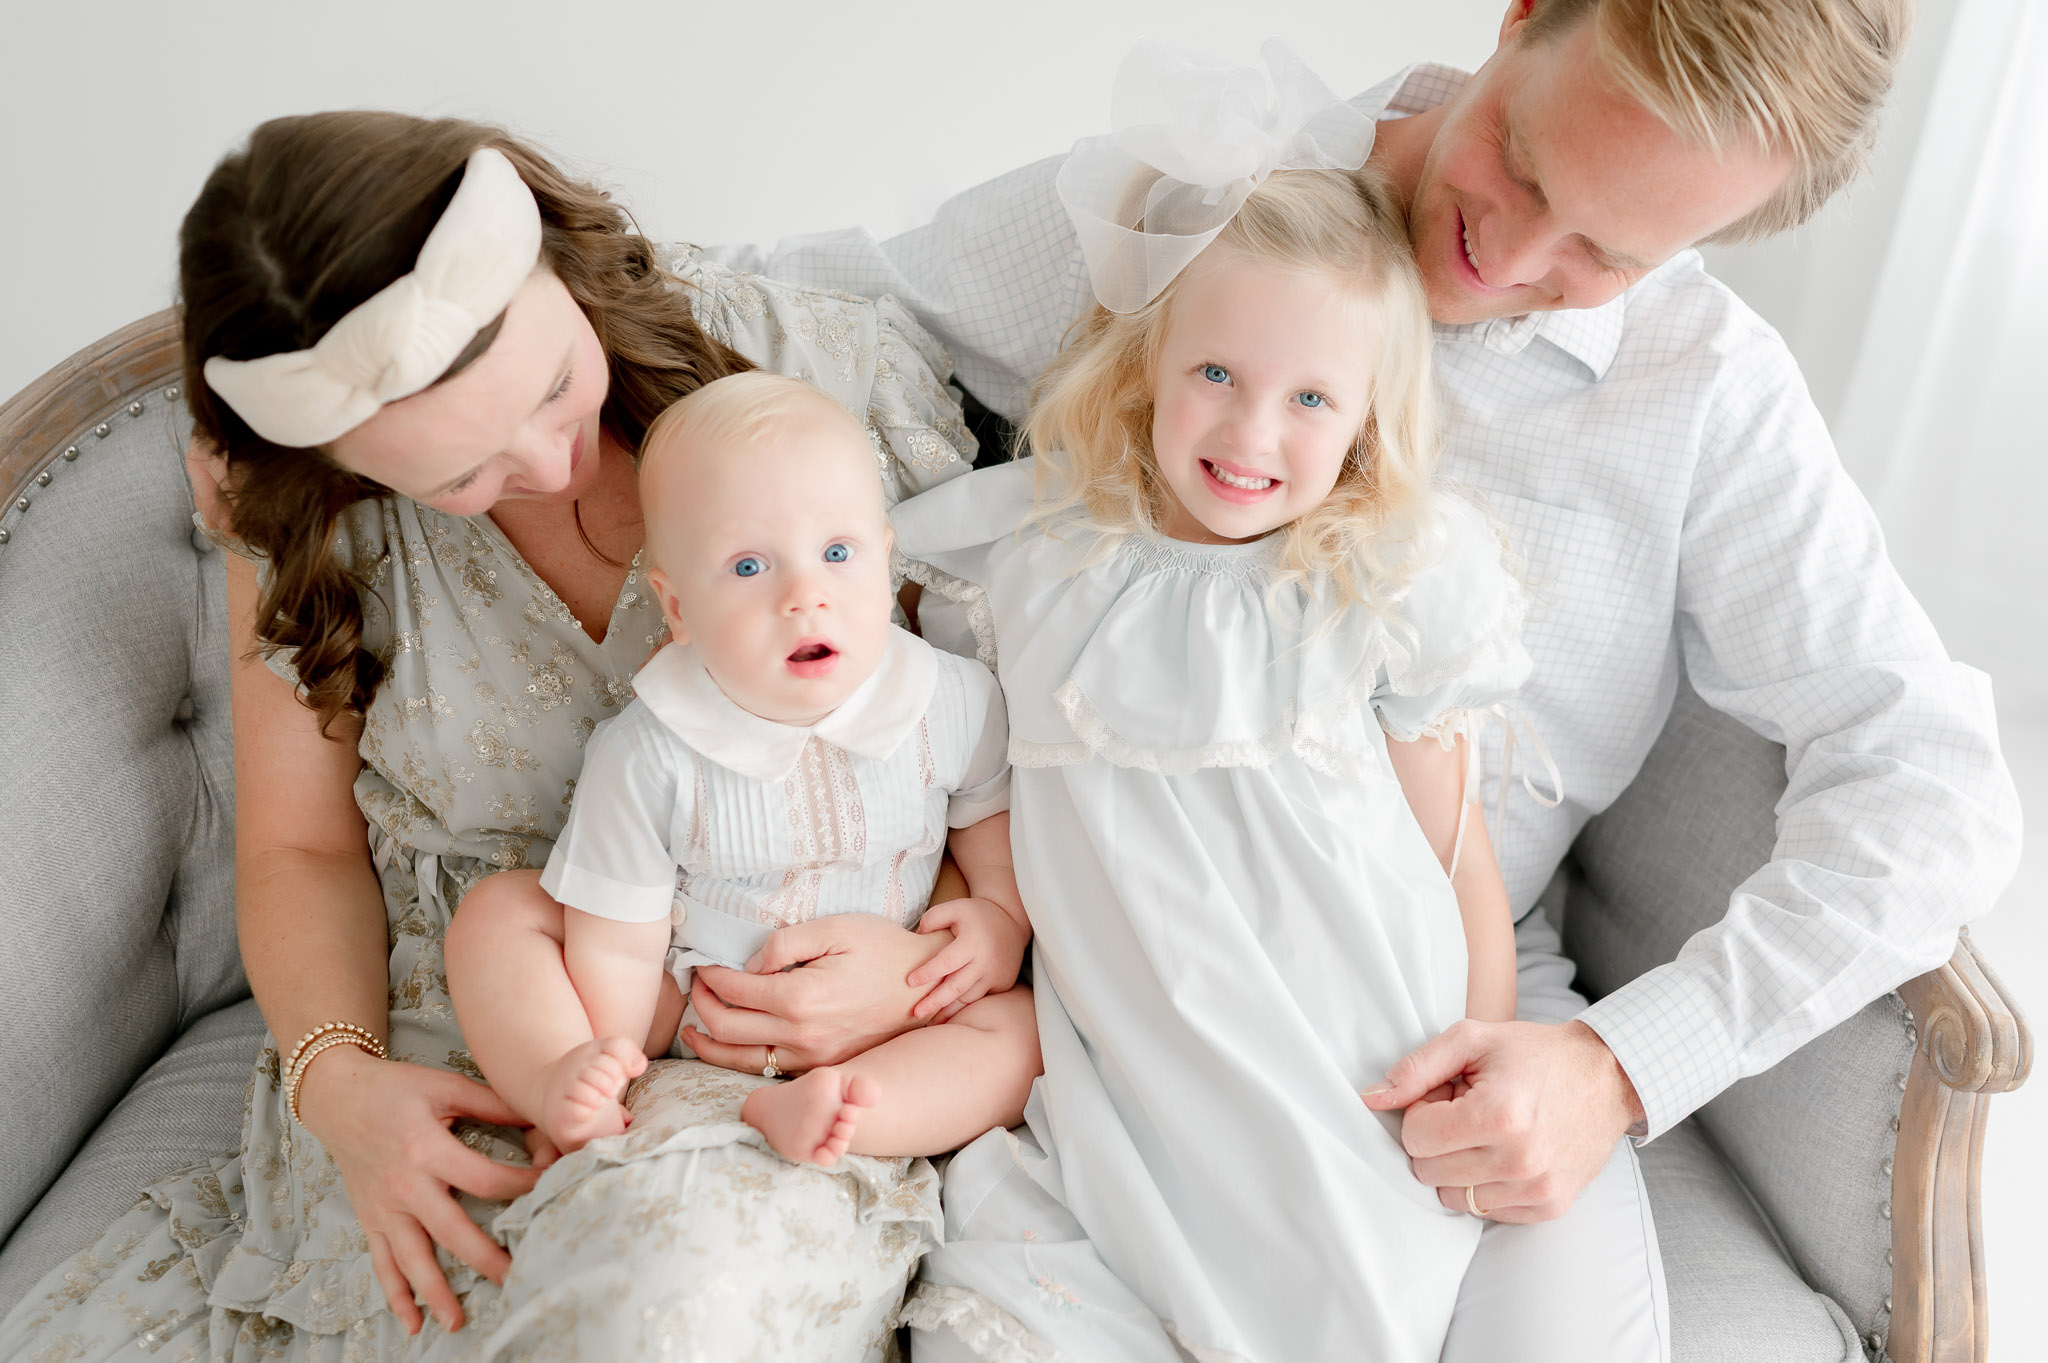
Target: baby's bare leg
(923, 1093)
(523, 1021)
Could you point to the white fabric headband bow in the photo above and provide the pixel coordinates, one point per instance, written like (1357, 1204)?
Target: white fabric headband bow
(1209, 134)
(404, 336)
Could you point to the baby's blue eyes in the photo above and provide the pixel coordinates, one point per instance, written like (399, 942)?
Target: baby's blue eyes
(838, 553)
(749, 567)
(1215, 373)
(1311, 399)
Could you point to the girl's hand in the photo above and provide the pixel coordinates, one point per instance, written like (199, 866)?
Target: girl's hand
(818, 992)
(986, 953)
(387, 1126)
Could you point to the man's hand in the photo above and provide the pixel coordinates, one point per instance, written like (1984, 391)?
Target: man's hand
(1536, 1112)
(984, 956)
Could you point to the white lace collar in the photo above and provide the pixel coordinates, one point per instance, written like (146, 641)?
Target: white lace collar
(872, 723)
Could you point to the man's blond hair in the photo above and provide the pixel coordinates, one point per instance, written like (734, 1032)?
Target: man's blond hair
(1805, 77)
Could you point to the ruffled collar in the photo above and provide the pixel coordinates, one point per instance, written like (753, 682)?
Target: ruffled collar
(872, 723)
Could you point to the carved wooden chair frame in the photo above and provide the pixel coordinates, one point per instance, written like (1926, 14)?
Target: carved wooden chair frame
(1972, 1041)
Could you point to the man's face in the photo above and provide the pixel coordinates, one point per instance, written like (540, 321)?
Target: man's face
(1545, 186)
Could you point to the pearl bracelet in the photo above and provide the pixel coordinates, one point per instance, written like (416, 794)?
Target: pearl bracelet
(324, 1037)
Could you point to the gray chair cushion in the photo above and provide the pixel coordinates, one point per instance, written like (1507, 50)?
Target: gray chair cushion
(1734, 1298)
(187, 1107)
(117, 879)
(1811, 1137)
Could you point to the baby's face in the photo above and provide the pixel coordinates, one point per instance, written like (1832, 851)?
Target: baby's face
(776, 565)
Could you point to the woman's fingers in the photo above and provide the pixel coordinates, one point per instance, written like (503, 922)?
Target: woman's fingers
(737, 1026)
(458, 1166)
(745, 1059)
(540, 1149)
(793, 945)
(450, 1225)
(459, 1096)
(415, 1255)
(397, 1293)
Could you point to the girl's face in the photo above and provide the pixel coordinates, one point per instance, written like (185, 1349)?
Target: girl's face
(1263, 381)
(519, 423)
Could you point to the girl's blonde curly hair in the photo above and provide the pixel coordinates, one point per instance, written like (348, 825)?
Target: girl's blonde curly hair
(1091, 421)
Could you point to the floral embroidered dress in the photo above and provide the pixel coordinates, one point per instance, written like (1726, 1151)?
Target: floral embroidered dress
(1238, 926)
(685, 1238)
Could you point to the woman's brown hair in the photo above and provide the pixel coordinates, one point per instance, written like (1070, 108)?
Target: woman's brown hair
(316, 214)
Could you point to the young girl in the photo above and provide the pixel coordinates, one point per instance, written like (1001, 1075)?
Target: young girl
(1242, 637)
(791, 754)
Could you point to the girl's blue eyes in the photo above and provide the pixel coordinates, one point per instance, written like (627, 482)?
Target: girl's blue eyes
(1216, 373)
(749, 567)
(837, 553)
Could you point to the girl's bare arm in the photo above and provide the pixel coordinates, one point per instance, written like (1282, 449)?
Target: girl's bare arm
(1433, 779)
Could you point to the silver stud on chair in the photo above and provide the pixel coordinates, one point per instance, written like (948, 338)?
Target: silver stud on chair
(70, 453)
(134, 409)
(1887, 1303)
(5, 536)
(1887, 1168)
(102, 430)
(21, 503)
(1884, 1209)
(172, 392)
(1902, 1083)
(43, 478)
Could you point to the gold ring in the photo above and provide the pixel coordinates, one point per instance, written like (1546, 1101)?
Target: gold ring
(1472, 1203)
(771, 1070)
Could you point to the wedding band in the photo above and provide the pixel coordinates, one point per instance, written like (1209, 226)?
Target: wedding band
(1472, 1203)
(771, 1070)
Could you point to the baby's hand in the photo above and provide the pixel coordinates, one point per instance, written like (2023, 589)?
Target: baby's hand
(984, 956)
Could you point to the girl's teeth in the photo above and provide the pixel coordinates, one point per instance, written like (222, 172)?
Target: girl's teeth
(1229, 479)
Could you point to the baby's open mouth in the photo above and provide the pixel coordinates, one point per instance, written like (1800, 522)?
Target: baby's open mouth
(811, 653)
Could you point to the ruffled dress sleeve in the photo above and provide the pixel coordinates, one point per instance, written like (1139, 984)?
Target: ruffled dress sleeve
(870, 354)
(1462, 618)
(946, 542)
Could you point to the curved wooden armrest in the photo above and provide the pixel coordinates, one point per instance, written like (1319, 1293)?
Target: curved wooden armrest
(1971, 1031)
(1973, 1043)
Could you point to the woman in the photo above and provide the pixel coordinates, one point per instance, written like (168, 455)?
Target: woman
(427, 367)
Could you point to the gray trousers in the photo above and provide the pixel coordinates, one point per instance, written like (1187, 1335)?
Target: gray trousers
(1585, 1288)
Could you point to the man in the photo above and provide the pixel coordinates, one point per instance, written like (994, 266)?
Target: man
(1653, 452)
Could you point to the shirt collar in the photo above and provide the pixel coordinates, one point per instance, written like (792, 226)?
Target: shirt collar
(872, 722)
(1592, 336)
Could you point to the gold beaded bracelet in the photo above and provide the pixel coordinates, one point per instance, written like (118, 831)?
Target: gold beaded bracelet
(322, 1038)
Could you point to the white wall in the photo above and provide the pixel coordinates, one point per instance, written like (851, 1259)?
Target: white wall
(714, 121)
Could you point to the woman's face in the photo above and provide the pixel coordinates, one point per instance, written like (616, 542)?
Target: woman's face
(520, 423)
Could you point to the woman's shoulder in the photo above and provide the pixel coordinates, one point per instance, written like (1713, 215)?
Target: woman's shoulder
(870, 354)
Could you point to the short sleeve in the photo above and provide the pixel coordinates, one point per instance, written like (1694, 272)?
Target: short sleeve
(361, 536)
(870, 355)
(1464, 617)
(984, 788)
(614, 858)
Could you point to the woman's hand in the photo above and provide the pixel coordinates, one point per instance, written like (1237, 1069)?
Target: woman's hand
(387, 1126)
(818, 992)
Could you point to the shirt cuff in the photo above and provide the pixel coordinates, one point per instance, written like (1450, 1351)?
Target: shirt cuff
(603, 897)
(966, 808)
(1669, 1029)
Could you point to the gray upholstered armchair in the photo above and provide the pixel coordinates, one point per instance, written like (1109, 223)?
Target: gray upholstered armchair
(1823, 1210)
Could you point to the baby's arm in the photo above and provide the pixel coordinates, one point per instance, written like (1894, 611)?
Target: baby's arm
(989, 928)
(1433, 779)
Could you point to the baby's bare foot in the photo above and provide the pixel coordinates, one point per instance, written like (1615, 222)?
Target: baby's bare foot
(580, 1100)
(810, 1120)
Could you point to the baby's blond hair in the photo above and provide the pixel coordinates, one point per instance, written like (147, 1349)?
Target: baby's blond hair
(1092, 421)
(747, 412)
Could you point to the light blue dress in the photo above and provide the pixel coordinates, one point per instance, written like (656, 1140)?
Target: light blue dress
(1239, 925)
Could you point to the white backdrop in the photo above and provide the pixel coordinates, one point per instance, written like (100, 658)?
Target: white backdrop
(714, 121)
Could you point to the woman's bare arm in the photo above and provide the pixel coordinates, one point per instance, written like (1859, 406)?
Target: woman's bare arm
(1433, 779)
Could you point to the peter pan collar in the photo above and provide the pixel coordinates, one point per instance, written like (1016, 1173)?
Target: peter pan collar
(872, 723)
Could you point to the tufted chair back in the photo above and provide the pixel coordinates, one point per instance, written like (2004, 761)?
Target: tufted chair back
(116, 764)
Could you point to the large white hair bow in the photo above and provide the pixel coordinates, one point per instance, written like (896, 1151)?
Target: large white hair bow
(403, 337)
(1192, 140)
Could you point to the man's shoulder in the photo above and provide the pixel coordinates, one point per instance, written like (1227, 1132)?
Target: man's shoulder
(1680, 313)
